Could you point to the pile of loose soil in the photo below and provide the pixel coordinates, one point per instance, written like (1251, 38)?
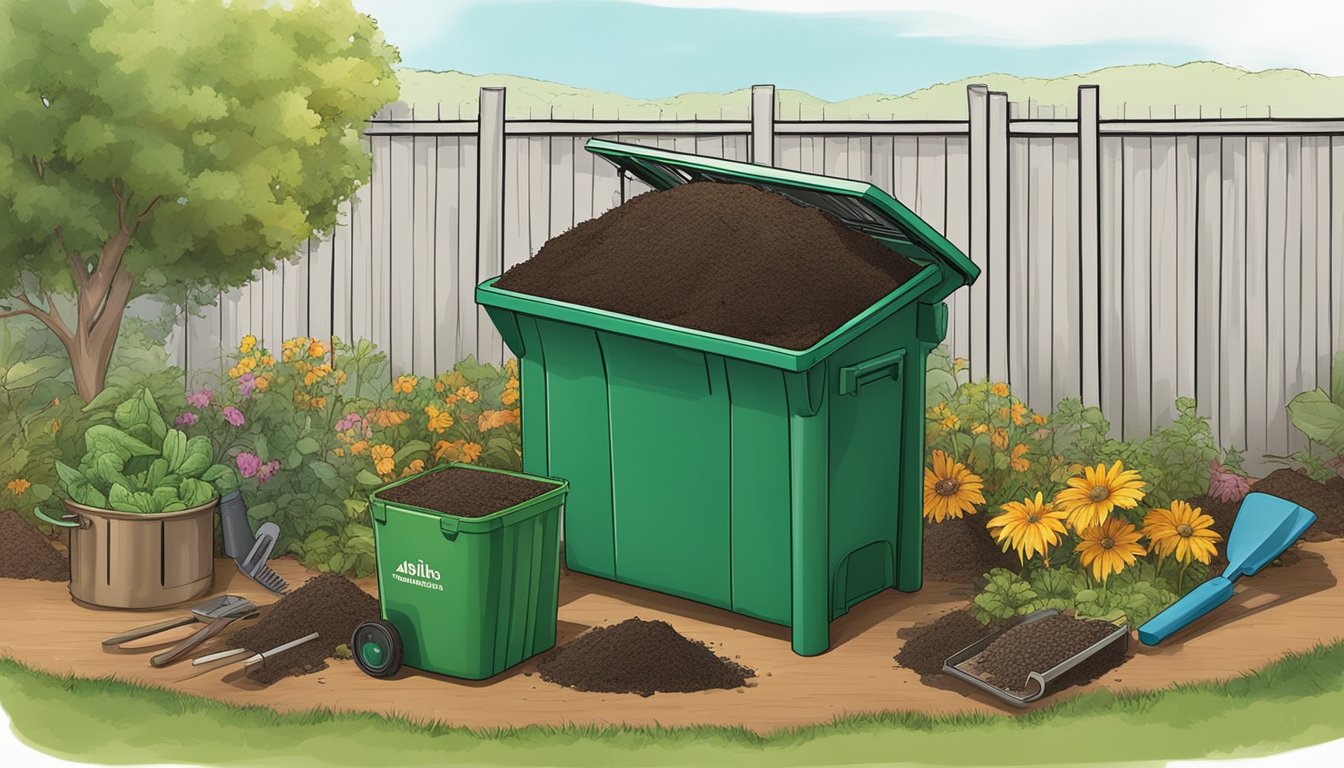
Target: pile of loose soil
(1035, 647)
(962, 549)
(1325, 501)
(729, 259)
(465, 492)
(927, 646)
(644, 657)
(25, 554)
(328, 604)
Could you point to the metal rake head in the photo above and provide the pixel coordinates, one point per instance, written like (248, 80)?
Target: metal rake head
(270, 580)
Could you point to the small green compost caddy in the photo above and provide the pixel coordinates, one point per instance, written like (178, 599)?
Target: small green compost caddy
(466, 597)
(784, 485)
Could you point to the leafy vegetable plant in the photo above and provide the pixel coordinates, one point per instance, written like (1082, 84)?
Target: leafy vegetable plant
(143, 466)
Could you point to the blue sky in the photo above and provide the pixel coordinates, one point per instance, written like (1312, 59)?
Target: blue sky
(844, 48)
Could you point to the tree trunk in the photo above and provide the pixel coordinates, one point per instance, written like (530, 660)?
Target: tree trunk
(90, 346)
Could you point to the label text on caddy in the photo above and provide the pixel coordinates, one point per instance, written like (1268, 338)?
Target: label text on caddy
(418, 574)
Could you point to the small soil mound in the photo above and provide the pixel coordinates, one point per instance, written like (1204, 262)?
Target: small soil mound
(729, 259)
(927, 646)
(644, 657)
(1319, 498)
(1036, 647)
(329, 604)
(25, 554)
(465, 492)
(962, 549)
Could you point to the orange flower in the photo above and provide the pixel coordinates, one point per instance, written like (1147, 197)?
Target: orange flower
(359, 447)
(1018, 463)
(1000, 389)
(980, 429)
(338, 451)
(316, 374)
(318, 403)
(388, 418)
(458, 451)
(510, 394)
(414, 467)
(383, 462)
(341, 377)
(1038, 419)
(18, 485)
(315, 349)
(438, 420)
(1019, 410)
(999, 439)
(267, 360)
(464, 393)
(404, 385)
(263, 382)
(489, 420)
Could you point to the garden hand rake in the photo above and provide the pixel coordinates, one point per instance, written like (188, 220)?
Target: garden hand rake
(1265, 526)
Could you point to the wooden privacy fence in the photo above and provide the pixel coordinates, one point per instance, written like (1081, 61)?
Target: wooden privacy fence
(1126, 262)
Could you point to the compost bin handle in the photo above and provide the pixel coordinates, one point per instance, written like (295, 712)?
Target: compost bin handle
(65, 521)
(853, 377)
(448, 525)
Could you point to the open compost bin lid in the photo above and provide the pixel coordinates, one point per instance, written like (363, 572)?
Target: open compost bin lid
(858, 204)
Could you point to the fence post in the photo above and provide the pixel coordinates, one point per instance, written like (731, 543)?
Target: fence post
(997, 199)
(1089, 234)
(763, 124)
(977, 113)
(489, 211)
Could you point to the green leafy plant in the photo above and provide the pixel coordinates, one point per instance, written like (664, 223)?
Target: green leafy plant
(1320, 416)
(1005, 596)
(143, 466)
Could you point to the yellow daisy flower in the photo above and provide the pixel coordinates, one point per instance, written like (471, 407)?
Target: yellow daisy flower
(950, 489)
(1183, 531)
(1109, 548)
(1030, 526)
(1090, 499)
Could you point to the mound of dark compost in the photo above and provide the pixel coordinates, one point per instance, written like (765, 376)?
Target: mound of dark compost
(728, 259)
(644, 657)
(1036, 647)
(1320, 498)
(328, 604)
(927, 646)
(962, 549)
(465, 492)
(26, 554)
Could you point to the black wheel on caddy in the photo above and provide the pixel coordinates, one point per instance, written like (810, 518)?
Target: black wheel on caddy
(376, 646)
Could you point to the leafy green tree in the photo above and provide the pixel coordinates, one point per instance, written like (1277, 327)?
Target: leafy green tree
(163, 146)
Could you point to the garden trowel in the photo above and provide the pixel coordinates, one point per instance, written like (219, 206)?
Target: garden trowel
(1265, 526)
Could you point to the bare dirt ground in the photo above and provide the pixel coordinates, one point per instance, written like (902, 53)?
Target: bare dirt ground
(1284, 609)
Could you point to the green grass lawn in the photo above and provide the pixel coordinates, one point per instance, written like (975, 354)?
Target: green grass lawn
(1292, 703)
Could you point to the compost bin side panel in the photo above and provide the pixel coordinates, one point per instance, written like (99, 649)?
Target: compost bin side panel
(573, 431)
(760, 491)
(866, 465)
(670, 467)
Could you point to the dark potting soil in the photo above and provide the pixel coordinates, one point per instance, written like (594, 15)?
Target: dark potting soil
(26, 554)
(328, 604)
(465, 492)
(1036, 647)
(729, 259)
(1326, 502)
(927, 646)
(644, 657)
(961, 550)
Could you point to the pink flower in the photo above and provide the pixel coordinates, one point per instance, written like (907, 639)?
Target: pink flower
(185, 419)
(234, 416)
(246, 383)
(201, 398)
(348, 421)
(267, 470)
(1226, 485)
(249, 464)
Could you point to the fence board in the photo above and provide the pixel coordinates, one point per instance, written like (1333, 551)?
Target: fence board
(1208, 276)
(1065, 341)
(468, 319)
(1164, 287)
(1111, 271)
(957, 207)
(1186, 222)
(447, 251)
(1039, 262)
(401, 271)
(882, 164)
(1327, 236)
(423, 205)
(1136, 234)
(997, 131)
(1291, 379)
(1232, 315)
(341, 303)
(1306, 314)
(320, 286)
(1336, 249)
(380, 228)
(788, 152)
(930, 192)
(1257, 300)
(1020, 259)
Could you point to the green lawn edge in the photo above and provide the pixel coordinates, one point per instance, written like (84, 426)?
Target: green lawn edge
(1291, 703)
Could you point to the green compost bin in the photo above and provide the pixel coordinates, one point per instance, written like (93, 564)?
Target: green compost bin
(470, 597)
(780, 484)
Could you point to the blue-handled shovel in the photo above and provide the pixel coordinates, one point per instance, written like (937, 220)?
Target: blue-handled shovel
(1265, 527)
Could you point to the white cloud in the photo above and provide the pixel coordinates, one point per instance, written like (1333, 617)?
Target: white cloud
(1250, 33)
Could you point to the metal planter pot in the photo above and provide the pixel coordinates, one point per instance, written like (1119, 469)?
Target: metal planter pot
(127, 560)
